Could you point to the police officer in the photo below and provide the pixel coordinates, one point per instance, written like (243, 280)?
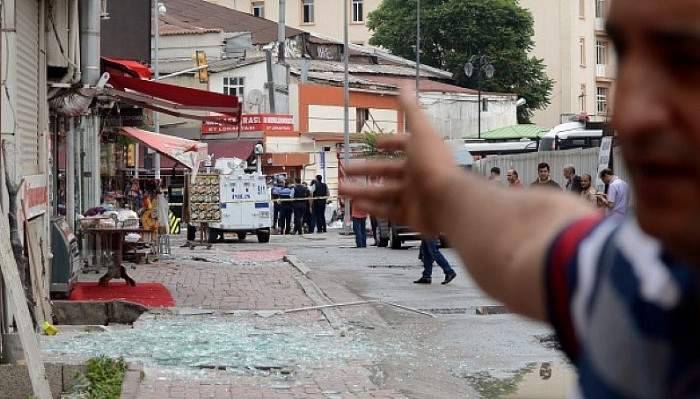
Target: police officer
(285, 206)
(276, 205)
(301, 197)
(319, 208)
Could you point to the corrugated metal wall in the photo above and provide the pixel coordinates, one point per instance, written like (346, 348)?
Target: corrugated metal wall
(27, 91)
(584, 160)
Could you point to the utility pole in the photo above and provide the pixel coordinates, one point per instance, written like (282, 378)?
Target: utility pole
(418, 52)
(346, 97)
(270, 81)
(281, 31)
(156, 73)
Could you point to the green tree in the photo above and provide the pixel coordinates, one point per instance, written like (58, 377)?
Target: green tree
(452, 31)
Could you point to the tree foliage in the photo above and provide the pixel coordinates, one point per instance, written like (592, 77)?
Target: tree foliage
(452, 31)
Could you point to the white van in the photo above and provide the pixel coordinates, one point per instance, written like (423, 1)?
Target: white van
(572, 135)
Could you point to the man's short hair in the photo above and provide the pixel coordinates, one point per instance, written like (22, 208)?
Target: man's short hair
(496, 170)
(319, 178)
(297, 180)
(588, 176)
(514, 172)
(543, 165)
(606, 172)
(570, 168)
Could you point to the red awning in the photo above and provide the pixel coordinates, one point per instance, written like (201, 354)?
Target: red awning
(126, 67)
(241, 149)
(168, 99)
(190, 153)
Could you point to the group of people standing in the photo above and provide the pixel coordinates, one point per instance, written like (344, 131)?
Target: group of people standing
(306, 203)
(614, 200)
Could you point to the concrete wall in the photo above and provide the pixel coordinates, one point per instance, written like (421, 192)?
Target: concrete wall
(255, 78)
(321, 107)
(328, 16)
(183, 46)
(331, 118)
(457, 115)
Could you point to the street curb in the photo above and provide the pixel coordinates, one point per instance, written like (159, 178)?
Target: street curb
(297, 264)
(315, 293)
(131, 382)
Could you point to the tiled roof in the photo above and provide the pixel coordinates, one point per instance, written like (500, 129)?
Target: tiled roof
(170, 25)
(206, 15)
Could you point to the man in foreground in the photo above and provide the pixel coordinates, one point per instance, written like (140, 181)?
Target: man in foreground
(622, 294)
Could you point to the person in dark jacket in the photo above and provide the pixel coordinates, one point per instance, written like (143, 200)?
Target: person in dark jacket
(320, 200)
(301, 198)
(573, 182)
(285, 207)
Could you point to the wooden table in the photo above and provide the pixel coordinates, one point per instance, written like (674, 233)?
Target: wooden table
(115, 239)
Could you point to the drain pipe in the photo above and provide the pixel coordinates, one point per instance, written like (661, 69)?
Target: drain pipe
(89, 148)
(70, 174)
(90, 41)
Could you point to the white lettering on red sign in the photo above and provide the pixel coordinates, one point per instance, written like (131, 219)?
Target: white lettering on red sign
(249, 123)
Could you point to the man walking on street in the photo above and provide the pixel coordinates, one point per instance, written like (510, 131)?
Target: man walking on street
(543, 179)
(617, 199)
(431, 253)
(320, 200)
(620, 293)
(573, 182)
(301, 198)
(359, 225)
(513, 179)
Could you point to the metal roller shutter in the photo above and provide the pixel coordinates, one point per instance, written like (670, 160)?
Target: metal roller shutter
(27, 91)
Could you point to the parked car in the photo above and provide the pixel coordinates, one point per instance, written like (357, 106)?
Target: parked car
(394, 236)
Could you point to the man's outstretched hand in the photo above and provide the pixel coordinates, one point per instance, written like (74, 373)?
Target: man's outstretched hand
(411, 191)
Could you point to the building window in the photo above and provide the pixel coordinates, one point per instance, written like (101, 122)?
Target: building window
(601, 52)
(582, 50)
(600, 9)
(362, 116)
(358, 11)
(484, 105)
(235, 87)
(258, 8)
(602, 100)
(582, 9)
(307, 11)
(582, 98)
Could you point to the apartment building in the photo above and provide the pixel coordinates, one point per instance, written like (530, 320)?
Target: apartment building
(570, 36)
(320, 17)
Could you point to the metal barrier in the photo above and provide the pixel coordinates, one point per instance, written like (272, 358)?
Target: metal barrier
(584, 160)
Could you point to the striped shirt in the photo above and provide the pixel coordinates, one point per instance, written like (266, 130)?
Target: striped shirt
(627, 315)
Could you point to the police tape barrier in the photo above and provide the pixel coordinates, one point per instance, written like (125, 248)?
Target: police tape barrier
(173, 223)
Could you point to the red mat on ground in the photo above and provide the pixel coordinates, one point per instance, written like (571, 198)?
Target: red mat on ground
(152, 295)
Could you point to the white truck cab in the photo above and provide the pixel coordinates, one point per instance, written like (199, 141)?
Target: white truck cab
(245, 202)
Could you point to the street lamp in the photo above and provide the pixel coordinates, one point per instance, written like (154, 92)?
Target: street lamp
(479, 66)
(159, 10)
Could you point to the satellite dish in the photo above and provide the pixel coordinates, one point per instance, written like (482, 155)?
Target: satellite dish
(253, 101)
